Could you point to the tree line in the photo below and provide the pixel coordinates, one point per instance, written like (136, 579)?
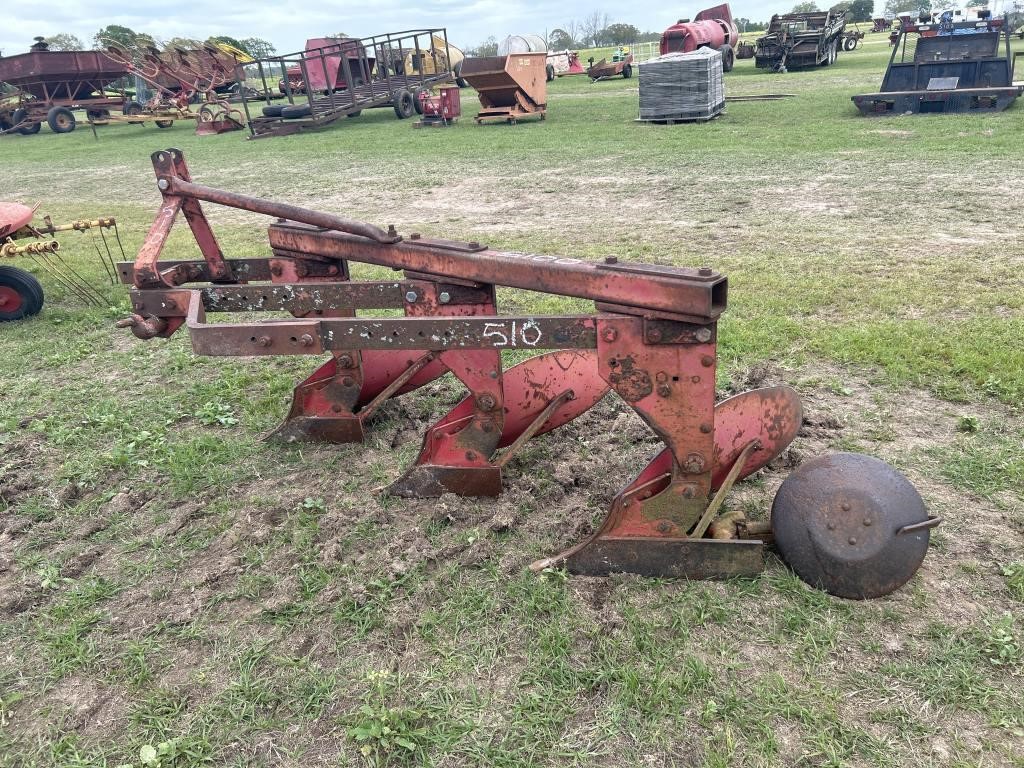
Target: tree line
(256, 47)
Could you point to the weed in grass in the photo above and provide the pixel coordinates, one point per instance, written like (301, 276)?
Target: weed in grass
(388, 734)
(1014, 575)
(1002, 647)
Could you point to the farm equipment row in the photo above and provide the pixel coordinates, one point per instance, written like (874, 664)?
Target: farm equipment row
(340, 77)
(21, 294)
(847, 523)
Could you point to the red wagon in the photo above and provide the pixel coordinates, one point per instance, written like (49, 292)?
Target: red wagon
(51, 85)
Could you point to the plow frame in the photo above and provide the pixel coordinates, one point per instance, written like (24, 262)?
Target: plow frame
(652, 339)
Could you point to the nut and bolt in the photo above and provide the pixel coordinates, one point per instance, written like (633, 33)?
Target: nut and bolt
(336, 408)
(306, 340)
(853, 540)
(702, 334)
(264, 341)
(444, 297)
(276, 270)
(689, 492)
(705, 429)
(694, 463)
(705, 271)
(414, 236)
(474, 245)
(411, 297)
(392, 232)
(163, 184)
(664, 390)
(345, 361)
(486, 402)
(845, 506)
(707, 361)
(661, 377)
(654, 335)
(609, 335)
(867, 521)
(611, 259)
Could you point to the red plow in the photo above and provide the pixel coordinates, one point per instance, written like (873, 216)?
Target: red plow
(651, 339)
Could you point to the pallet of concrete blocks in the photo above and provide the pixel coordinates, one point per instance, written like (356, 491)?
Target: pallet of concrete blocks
(682, 87)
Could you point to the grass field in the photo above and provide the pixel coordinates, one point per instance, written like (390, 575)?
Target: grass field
(174, 591)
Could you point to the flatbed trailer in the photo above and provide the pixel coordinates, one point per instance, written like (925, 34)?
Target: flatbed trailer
(947, 67)
(800, 40)
(342, 77)
(48, 86)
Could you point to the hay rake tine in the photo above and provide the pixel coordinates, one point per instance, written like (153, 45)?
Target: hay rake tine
(651, 339)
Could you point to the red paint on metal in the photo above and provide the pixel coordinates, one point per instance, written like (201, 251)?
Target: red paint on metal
(711, 28)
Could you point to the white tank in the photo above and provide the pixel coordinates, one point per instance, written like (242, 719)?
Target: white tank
(521, 44)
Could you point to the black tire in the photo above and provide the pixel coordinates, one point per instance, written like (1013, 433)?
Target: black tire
(60, 120)
(459, 81)
(26, 290)
(97, 114)
(728, 57)
(357, 113)
(132, 108)
(849, 43)
(417, 102)
(549, 72)
(627, 71)
(25, 130)
(164, 123)
(273, 110)
(296, 111)
(403, 103)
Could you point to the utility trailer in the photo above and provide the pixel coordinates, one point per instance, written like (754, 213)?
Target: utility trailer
(947, 67)
(800, 40)
(340, 77)
(50, 85)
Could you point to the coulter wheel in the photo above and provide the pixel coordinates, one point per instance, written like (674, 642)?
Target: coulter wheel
(852, 525)
(21, 294)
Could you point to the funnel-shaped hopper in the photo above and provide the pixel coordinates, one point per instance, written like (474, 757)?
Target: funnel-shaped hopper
(508, 86)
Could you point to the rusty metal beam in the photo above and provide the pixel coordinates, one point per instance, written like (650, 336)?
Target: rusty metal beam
(699, 294)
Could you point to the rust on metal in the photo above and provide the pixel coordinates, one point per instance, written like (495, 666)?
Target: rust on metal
(651, 339)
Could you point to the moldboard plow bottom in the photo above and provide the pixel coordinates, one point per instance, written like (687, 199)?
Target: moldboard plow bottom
(652, 339)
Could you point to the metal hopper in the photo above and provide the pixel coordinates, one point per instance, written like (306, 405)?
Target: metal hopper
(510, 87)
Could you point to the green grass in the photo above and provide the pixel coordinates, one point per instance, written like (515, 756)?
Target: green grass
(258, 604)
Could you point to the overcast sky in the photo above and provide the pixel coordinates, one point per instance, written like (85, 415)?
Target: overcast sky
(287, 25)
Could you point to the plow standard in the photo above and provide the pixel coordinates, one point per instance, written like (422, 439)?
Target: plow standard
(846, 523)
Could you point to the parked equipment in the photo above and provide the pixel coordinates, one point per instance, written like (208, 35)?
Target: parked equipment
(851, 39)
(947, 67)
(21, 294)
(509, 87)
(180, 76)
(49, 86)
(881, 24)
(711, 28)
(744, 50)
(340, 77)
(799, 40)
(444, 109)
(682, 87)
(563, 63)
(651, 339)
(621, 64)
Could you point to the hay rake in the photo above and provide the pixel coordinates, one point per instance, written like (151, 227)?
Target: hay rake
(651, 339)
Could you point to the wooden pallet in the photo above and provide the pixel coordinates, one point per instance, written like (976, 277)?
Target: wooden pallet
(682, 117)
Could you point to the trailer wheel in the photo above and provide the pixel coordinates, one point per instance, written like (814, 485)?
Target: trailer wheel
(728, 58)
(164, 123)
(549, 72)
(403, 104)
(274, 110)
(357, 113)
(18, 116)
(97, 114)
(627, 71)
(417, 99)
(849, 43)
(60, 120)
(21, 295)
(459, 81)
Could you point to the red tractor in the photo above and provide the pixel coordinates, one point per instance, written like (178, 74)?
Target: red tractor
(712, 28)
